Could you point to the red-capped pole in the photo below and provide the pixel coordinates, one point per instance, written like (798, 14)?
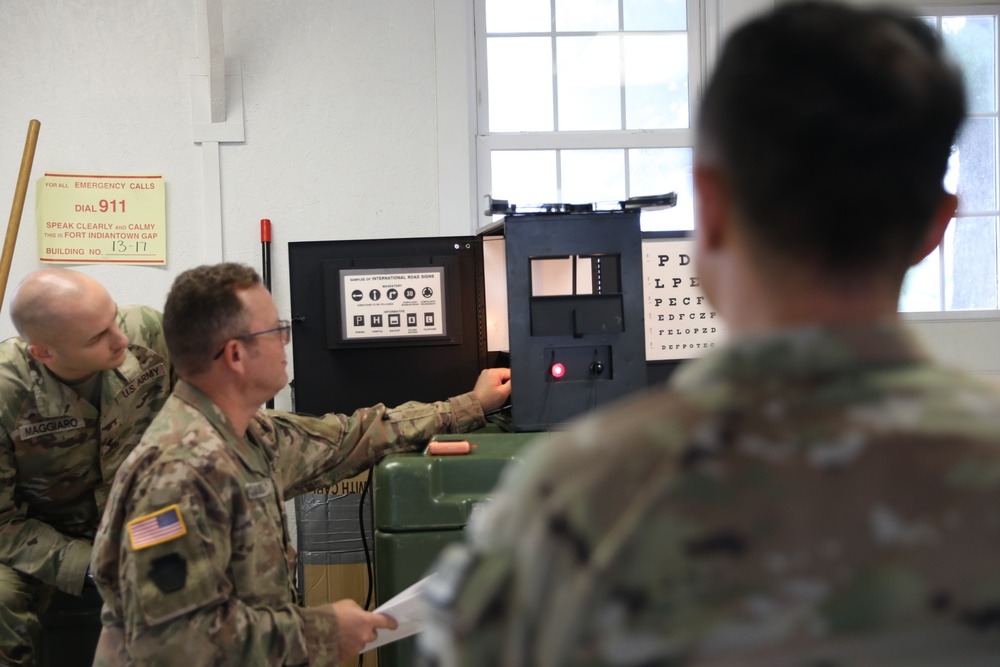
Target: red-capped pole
(265, 252)
(265, 257)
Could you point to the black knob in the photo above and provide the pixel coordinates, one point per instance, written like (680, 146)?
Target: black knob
(597, 368)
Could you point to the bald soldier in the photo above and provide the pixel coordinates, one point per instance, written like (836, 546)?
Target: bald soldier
(817, 493)
(193, 557)
(77, 389)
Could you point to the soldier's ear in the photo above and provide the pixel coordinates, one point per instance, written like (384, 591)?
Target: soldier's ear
(41, 352)
(233, 356)
(714, 209)
(939, 224)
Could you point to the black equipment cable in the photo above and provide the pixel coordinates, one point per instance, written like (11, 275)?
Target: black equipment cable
(364, 545)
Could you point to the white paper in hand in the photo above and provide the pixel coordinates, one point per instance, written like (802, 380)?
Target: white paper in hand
(410, 611)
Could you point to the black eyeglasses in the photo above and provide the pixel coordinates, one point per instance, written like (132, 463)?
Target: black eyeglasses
(284, 328)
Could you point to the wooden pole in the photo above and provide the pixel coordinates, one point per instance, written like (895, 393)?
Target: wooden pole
(15, 210)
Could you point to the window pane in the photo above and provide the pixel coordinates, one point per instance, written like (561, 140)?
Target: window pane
(655, 14)
(657, 171)
(589, 83)
(971, 264)
(577, 15)
(520, 83)
(524, 177)
(656, 82)
(975, 164)
(593, 176)
(518, 16)
(922, 286)
(972, 41)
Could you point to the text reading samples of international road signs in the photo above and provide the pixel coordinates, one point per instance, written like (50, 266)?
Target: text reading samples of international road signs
(392, 303)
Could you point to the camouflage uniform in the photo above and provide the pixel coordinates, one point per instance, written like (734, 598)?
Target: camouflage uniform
(819, 497)
(58, 457)
(221, 590)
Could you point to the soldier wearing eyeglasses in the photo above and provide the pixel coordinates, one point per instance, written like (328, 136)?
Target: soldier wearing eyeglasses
(78, 387)
(193, 557)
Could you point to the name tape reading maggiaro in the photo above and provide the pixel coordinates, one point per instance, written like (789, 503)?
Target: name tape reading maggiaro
(101, 219)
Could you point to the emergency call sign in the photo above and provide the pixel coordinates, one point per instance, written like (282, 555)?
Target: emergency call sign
(392, 303)
(680, 323)
(100, 219)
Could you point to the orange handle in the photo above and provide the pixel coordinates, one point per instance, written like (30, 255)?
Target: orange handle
(449, 447)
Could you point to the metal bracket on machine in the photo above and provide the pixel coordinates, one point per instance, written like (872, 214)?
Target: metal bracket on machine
(644, 203)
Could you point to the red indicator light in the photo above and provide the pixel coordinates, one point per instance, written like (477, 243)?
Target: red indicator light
(558, 370)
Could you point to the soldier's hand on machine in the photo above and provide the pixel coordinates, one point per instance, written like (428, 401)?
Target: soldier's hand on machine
(493, 388)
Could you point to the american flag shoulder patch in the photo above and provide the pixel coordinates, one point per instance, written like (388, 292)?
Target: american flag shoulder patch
(160, 526)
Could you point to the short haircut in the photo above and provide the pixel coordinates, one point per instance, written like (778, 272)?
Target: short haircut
(34, 316)
(832, 127)
(46, 299)
(203, 311)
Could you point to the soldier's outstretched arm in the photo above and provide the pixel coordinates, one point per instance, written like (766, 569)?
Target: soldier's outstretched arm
(320, 451)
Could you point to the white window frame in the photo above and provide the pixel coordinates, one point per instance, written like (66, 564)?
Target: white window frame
(487, 141)
(969, 339)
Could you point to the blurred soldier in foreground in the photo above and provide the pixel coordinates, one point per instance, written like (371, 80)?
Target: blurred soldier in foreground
(193, 557)
(818, 492)
(77, 389)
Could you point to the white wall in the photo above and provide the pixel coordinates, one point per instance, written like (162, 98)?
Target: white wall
(110, 88)
(341, 108)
